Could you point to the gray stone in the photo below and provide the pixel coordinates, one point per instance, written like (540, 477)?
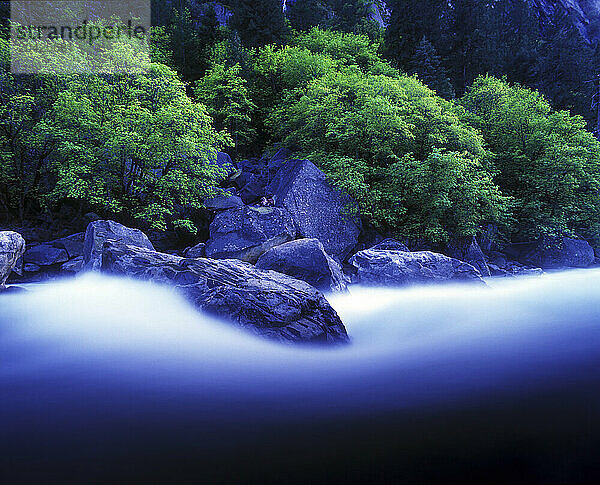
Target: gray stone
(72, 244)
(467, 249)
(223, 202)
(399, 268)
(266, 303)
(391, 245)
(246, 233)
(12, 248)
(554, 253)
(73, 266)
(31, 268)
(306, 260)
(198, 251)
(99, 231)
(45, 255)
(318, 210)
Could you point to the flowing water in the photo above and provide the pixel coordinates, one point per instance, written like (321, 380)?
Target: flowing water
(106, 374)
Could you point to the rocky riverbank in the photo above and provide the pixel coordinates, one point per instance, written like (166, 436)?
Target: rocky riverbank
(280, 237)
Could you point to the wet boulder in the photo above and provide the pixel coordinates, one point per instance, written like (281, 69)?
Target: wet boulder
(266, 303)
(391, 245)
(223, 202)
(99, 231)
(45, 255)
(198, 251)
(319, 210)
(554, 253)
(399, 268)
(12, 248)
(467, 249)
(306, 260)
(245, 233)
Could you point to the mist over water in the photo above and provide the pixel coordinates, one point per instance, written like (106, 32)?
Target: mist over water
(99, 363)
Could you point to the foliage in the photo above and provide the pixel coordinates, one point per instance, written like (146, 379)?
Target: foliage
(546, 160)
(132, 145)
(225, 94)
(402, 152)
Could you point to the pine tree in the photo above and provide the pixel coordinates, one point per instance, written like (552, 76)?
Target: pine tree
(410, 20)
(427, 65)
(259, 22)
(306, 14)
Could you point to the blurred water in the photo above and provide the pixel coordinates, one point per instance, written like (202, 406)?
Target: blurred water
(81, 359)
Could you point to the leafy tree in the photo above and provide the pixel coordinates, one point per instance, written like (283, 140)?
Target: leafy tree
(131, 145)
(224, 92)
(427, 65)
(350, 49)
(134, 146)
(546, 160)
(405, 155)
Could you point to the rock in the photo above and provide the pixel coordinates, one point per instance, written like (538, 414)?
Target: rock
(223, 203)
(275, 163)
(498, 259)
(31, 268)
(254, 189)
(554, 253)
(246, 233)
(73, 266)
(391, 245)
(12, 248)
(72, 244)
(565, 253)
(99, 231)
(468, 250)
(318, 210)
(267, 303)
(198, 251)
(224, 162)
(306, 260)
(496, 270)
(45, 255)
(398, 268)
(92, 217)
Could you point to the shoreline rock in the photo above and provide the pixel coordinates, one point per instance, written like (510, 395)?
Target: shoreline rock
(400, 268)
(306, 260)
(12, 248)
(269, 304)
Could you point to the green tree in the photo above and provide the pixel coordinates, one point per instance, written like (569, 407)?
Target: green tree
(224, 92)
(402, 152)
(546, 160)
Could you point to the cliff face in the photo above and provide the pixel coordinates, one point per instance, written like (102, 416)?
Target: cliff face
(585, 15)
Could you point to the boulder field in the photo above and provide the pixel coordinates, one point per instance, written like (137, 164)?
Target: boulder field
(279, 235)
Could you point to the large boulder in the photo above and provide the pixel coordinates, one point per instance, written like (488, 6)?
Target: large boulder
(223, 202)
(12, 248)
(467, 249)
(99, 231)
(246, 233)
(306, 260)
(399, 268)
(319, 210)
(45, 255)
(267, 303)
(554, 253)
